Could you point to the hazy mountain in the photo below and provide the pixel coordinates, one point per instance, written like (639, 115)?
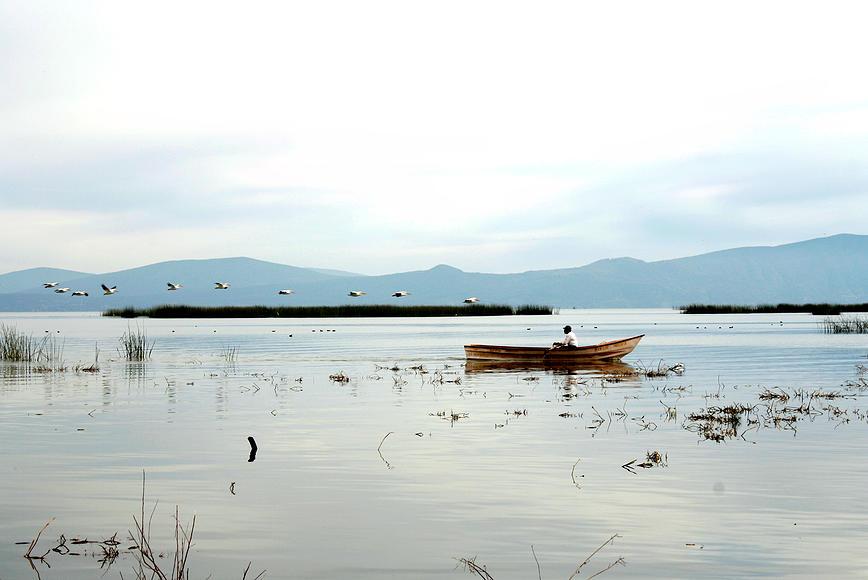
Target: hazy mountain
(148, 284)
(33, 277)
(833, 269)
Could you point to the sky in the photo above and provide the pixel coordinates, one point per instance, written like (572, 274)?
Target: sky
(378, 137)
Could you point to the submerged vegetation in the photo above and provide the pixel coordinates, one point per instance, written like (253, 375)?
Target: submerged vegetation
(821, 309)
(344, 311)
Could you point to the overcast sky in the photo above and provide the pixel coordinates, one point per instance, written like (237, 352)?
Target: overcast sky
(387, 136)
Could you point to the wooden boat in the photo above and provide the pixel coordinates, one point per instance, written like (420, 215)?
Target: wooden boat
(612, 350)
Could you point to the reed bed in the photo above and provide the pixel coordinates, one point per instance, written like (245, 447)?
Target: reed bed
(845, 325)
(16, 346)
(818, 309)
(135, 345)
(343, 311)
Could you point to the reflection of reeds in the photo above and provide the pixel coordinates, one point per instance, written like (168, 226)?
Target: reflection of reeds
(135, 345)
(344, 311)
(845, 325)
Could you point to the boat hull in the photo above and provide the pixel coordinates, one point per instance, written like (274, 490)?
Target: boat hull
(612, 350)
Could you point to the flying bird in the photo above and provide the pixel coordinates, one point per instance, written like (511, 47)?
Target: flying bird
(49, 284)
(108, 291)
(286, 292)
(173, 285)
(356, 293)
(80, 293)
(61, 290)
(400, 294)
(471, 300)
(221, 285)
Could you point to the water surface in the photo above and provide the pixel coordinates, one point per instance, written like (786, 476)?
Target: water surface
(320, 501)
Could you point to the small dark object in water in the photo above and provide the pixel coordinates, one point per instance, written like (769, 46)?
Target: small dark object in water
(253, 449)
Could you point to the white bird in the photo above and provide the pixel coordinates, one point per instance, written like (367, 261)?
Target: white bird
(221, 285)
(108, 291)
(286, 292)
(400, 294)
(173, 285)
(356, 293)
(80, 293)
(61, 290)
(471, 300)
(49, 284)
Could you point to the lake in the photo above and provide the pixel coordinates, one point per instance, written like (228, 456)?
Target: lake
(401, 473)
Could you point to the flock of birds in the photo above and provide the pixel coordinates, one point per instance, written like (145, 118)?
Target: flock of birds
(221, 286)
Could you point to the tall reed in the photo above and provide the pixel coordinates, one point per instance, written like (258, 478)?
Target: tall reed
(845, 325)
(135, 345)
(817, 309)
(343, 311)
(16, 346)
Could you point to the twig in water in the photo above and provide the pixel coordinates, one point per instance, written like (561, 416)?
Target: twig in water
(538, 569)
(471, 566)
(594, 553)
(620, 561)
(573, 474)
(389, 465)
(29, 553)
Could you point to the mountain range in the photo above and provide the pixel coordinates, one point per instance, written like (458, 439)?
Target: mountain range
(830, 269)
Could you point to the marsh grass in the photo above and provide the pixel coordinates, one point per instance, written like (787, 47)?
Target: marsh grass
(45, 354)
(845, 325)
(135, 345)
(16, 346)
(229, 354)
(820, 309)
(344, 311)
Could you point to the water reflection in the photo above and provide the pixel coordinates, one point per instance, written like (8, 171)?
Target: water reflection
(614, 369)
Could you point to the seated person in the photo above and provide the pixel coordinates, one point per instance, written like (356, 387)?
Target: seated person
(569, 341)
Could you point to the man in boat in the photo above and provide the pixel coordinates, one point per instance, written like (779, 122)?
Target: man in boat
(569, 341)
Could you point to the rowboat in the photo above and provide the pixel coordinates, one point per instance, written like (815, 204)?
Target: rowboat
(612, 350)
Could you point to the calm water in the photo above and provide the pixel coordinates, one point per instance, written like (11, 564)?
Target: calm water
(782, 498)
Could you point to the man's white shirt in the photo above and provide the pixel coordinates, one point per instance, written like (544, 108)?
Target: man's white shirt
(570, 339)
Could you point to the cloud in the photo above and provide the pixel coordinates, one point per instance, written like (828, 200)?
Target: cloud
(391, 136)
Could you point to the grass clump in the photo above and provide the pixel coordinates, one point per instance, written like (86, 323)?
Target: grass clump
(818, 309)
(845, 325)
(135, 345)
(343, 311)
(15, 346)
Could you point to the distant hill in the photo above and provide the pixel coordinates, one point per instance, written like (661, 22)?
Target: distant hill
(33, 277)
(832, 269)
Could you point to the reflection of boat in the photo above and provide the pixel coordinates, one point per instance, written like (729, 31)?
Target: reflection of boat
(612, 350)
(609, 368)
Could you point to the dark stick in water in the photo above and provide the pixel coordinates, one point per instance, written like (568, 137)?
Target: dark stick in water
(253, 449)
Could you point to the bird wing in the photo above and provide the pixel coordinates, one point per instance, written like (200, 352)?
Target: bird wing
(105, 288)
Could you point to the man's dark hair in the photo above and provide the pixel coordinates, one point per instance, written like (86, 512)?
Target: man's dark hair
(568, 328)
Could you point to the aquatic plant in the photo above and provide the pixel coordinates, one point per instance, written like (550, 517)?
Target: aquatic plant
(845, 325)
(343, 311)
(135, 345)
(16, 346)
(229, 354)
(819, 309)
